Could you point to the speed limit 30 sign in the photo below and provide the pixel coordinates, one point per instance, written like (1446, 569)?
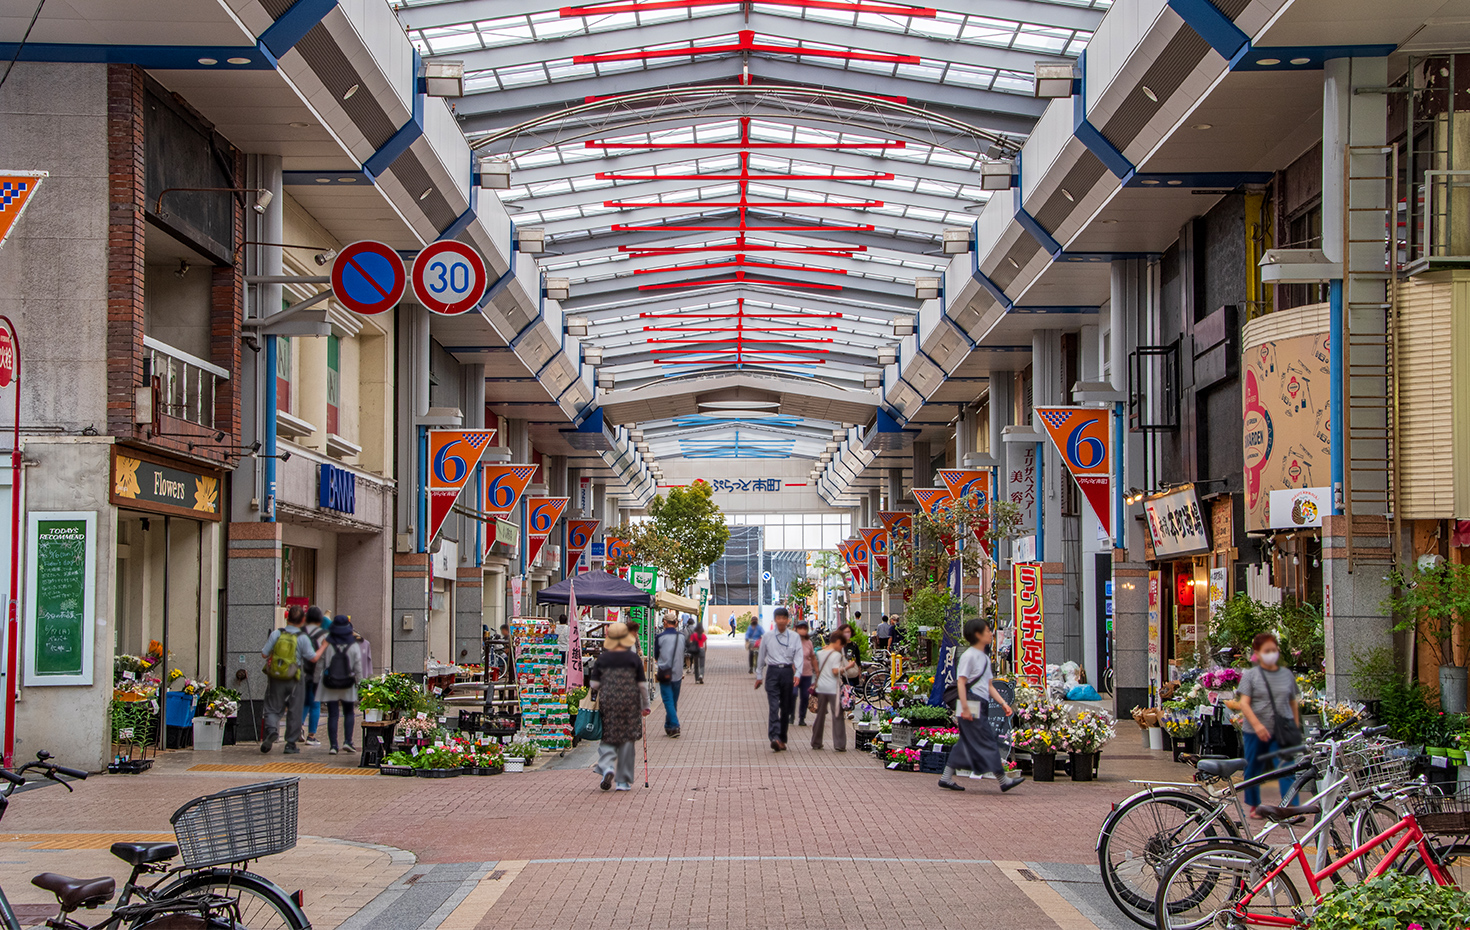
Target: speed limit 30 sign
(449, 278)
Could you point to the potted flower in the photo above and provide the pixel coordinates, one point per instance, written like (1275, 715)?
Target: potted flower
(1040, 744)
(397, 763)
(417, 731)
(902, 760)
(518, 754)
(1083, 738)
(483, 760)
(437, 762)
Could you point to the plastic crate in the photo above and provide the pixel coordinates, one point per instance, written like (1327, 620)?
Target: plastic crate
(401, 771)
(902, 736)
(238, 824)
(438, 773)
(933, 762)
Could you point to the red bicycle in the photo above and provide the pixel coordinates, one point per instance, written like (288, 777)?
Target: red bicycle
(1229, 883)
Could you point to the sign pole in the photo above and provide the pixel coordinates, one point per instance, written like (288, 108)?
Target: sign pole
(12, 622)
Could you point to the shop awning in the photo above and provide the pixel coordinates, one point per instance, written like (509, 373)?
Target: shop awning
(668, 600)
(595, 589)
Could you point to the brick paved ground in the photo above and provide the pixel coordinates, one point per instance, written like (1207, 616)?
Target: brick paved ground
(729, 835)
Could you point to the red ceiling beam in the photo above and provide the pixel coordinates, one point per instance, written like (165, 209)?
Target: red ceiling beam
(738, 279)
(881, 9)
(690, 250)
(611, 176)
(740, 315)
(744, 42)
(740, 262)
(769, 330)
(686, 204)
(624, 227)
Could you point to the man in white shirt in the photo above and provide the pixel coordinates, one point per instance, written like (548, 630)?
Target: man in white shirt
(776, 664)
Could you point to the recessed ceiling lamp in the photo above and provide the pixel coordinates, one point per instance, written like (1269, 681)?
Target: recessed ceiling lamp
(298, 124)
(1301, 61)
(238, 61)
(1068, 194)
(350, 91)
(1149, 93)
(1012, 262)
(1268, 62)
(1203, 126)
(209, 61)
(739, 405)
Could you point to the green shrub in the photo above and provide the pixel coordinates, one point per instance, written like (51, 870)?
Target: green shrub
(1373, 671)
(1393, 901)
(1404, 709)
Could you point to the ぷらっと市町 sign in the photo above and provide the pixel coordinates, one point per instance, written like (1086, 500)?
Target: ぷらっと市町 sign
(60, 602)
(142, 482)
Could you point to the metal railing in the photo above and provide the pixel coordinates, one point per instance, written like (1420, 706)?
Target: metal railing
(1446, 211)
(187, 384)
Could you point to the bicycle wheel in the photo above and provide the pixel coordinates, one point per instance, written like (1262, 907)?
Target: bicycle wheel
(263, 905)
(1368, 823)
(1138, 839)
(1205, 886)
(1454, 858)
(876, 688)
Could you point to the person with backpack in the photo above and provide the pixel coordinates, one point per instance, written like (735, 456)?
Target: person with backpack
(285, 689)
(312, 673)
(341, 666)
(972, 692)
(668, 651)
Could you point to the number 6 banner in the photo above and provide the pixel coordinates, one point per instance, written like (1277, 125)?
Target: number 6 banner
(541, 515)
(1084, 437)
(453, 456)
(579, 535)
(504, 485)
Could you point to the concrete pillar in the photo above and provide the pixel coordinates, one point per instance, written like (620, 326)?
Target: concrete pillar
(1353, 598)
(253, 565)
(1127, 306)
(469, 613)
(923, 467)
(895, 489)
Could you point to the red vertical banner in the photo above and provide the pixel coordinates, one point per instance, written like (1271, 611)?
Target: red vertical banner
(453, 457)
(972, 485)
(579, 537)
(860, 557)
(877, 540)
(1084, 438)
(541, 515)
(1030, 621)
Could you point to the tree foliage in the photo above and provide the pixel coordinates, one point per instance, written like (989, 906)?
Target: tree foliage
(684, 534)
(1435, 599)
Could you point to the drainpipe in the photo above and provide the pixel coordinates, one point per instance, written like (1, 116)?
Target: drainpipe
(270, 302)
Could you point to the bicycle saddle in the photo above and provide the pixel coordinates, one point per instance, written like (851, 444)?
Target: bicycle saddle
(136, 854)
(1278, 814)
(1220, 768)
(76, 892)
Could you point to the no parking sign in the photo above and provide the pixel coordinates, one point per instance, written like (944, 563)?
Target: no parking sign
(368, 278)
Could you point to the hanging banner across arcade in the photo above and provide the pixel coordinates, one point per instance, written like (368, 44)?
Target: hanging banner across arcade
(579, 536)
(932, 500)
(1030, 623)
(541, 515)
(877, 541)
(1084, 439)
(453, 456)
(503, 486)
(972, 484)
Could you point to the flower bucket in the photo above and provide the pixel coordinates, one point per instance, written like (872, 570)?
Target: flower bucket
(179, 708)
(1043, 766)
(372, 715)
(515, 765)
(1081, 766)
(1156, 738)
(209, 734)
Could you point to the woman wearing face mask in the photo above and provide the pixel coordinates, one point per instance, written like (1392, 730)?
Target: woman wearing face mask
(1268, 699)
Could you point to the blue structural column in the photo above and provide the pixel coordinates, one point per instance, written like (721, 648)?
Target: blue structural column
(1041, 502)
(269, 440)
(1120, 535)
(1336, 349)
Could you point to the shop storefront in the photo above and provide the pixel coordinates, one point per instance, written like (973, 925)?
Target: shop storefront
(1177, 546)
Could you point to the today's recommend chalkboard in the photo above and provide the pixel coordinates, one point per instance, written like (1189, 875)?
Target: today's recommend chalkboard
(60, 571)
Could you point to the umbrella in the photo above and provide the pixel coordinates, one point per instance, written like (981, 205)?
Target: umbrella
(595, 589)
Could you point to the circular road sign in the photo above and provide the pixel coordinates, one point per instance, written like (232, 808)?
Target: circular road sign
(765, 576)
(449, 277)
(368, 277)
(7, 357)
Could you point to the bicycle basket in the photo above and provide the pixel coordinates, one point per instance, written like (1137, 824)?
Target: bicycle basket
(238, 824)
(1387, 762)
(1438, 814)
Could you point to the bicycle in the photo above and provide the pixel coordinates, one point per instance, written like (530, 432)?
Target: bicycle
(1233, 882)
(216, 835)
(1143, 832)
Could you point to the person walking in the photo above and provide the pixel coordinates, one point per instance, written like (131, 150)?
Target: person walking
(342, 669)
(312, 672)
(285, 689)
(1270, 702)
(366, 647)
(778, 660)
(831, 663)
(668, 654)
(732, 632)
(885, 633)
(978, 749)
(617, 683)
(753, 634)
(697, 645)
(804, 684)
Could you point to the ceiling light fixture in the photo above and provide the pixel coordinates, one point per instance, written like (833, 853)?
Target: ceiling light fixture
(1013, 263)
(349, 92)
(1068, 194)
(1054, 79)
(1268, 62)
(1301, 61)
(298, 124)
(1203, 126)
(927, 288)
(1149, 93)
(996, 175)
(577, 326)
(238, 61)
(209, 61)
(426, 193)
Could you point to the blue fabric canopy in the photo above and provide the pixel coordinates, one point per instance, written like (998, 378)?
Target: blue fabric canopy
(596, 589)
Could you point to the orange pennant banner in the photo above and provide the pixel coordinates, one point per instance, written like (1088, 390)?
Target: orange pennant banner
(16, 188)
(453, 457)
(541, 515)
(1084, 438)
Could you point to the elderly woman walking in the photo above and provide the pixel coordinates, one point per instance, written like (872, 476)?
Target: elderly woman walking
(621, 690)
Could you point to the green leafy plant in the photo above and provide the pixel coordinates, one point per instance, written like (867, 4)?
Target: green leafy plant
(1373, 671)
(522, 749)
(394, 692)
(1236, 625)
(799, 593)
(684, 534)
(1303, 640)
(437, 758)
(924, 715)
(1404, 709)
(1435, 601)
(1393, 901)
(742, 623)
(398, 758)
(861, 642)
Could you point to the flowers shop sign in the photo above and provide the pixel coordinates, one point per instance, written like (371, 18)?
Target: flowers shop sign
(143, 482)
(1030, 622)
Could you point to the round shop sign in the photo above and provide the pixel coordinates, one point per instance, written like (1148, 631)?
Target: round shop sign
(449, 277)
(368, 277)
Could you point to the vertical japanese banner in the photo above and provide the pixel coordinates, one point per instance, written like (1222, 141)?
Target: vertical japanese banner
(517, 587)
(453, 457)
(972, 484)
(541, 515)
(574, 638)
(877, 540)
(1084, 439)
(949, 646)
(1021, 483)
(1030, 622)
(504, 486)
(1155, 631)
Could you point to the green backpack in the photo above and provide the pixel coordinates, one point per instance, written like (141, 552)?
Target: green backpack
(282, 664)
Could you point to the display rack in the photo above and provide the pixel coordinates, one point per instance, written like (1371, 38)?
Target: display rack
(541, 674)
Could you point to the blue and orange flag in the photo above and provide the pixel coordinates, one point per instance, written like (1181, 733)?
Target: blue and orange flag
(16, 188)
(454, 454)
(1084, 438)
(541, 515)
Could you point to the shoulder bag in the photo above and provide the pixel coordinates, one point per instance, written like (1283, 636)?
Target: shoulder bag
(1287, 733)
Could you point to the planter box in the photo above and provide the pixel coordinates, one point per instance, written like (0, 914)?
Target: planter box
(933, 762)
(178, 709)
(437, 773)
(130, 767)
(864, 741)
(402, 771)
(515, 765)
(485, 770)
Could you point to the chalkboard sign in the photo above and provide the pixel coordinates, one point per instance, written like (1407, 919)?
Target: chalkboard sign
(61, 568)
